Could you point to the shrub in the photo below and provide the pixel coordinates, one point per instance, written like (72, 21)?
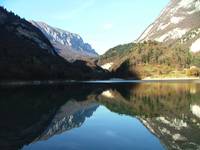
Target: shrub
(193, 71)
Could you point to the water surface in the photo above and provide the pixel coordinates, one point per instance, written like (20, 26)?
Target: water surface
(89, 116)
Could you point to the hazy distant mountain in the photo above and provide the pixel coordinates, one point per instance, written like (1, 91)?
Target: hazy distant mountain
(177, 19)
(68, 45)
(26, 54)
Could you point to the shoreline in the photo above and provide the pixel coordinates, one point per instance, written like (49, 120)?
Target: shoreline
(110, 81)
(170, 79)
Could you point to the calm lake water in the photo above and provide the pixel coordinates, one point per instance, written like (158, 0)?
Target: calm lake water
(90, 116)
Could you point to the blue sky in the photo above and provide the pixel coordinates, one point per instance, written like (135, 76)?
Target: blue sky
(102, 23)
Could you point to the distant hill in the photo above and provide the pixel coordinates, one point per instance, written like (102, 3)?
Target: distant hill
(26, 54)
(68, 45)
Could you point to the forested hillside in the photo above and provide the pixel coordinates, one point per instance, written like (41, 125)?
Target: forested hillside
(151, 58)
(26, 54)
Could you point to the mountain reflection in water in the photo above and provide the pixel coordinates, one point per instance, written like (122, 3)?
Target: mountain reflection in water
(34, 117)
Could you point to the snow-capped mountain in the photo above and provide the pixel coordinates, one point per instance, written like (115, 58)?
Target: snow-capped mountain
(177, 19)
(68, 45)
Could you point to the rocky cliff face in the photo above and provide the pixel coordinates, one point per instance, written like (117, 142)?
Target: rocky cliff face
(68, 45)
(177, 19)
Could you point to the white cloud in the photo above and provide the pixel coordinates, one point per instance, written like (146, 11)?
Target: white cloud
(107, 26)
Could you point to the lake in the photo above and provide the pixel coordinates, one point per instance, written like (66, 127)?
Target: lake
(101, 116)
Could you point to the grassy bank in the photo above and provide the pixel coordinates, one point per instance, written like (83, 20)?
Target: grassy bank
(166, 72)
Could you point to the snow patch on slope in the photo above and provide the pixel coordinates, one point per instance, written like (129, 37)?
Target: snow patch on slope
(163, 26)
(173, 34)
(108, 94)
(196, 8)
(195, 47)
(186, 4)
(176, 20)
(183, 4)
(107, 66)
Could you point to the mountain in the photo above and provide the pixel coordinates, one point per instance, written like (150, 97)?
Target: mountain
(26, 54)
(68, 45)
(179, 18)
(71, 115)
(169, 44)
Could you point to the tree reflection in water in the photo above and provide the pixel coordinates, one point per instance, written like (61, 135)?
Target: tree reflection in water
(171, 111)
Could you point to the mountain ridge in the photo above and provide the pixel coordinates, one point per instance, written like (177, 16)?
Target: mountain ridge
(170, 43)
(68, 45)
(26, 54)
(177, 19)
